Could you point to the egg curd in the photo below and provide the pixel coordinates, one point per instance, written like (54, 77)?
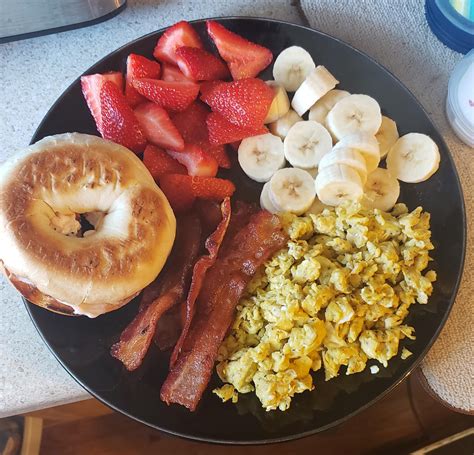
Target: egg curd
(337, 295)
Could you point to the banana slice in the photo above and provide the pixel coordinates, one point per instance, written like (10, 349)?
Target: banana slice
(381, 190)
(306, 143)
(292, 190)
(265, 201)
(280, 104)
(261, 156)
(414, 158)
(317, 84)
(283, 124)
(321, 108)
(338, 183)
(349, 157)
(313, 171)
(292, 66)
(387, 135)
(364, 143)
(352, 114)
(316, 207)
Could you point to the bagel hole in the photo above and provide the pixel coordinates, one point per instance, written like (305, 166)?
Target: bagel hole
(78, 224)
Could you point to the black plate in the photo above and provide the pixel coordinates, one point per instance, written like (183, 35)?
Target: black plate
(82, 345)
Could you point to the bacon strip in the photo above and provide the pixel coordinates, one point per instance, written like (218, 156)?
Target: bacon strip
(213, 243)
(222, 289)
(137, 336)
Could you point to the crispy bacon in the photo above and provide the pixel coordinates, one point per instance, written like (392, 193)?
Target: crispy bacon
(169, 327)
(166, 292)
(199, 272)
(223, 287)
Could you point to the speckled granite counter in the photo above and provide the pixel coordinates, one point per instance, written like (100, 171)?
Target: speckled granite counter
(33, 73)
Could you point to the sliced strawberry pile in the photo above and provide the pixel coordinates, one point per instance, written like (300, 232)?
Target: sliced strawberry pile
(179, 35)
(173, 96)
(244, 103)
(172, 73)
(157, 112)
(197, 161)
(245, 59)
(200, 65)
(119, 123)
(221, 131)
(158, 162)
(158, 127)
(139, 67)
(91, 86)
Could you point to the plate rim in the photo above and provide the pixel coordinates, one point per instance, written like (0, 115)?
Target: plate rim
(409, 370)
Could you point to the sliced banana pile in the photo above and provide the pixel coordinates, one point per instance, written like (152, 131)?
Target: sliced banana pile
(335, 154)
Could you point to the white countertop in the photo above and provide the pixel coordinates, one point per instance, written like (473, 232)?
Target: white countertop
(33, 74)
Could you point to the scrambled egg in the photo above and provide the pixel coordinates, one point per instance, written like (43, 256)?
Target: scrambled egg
(336, 296)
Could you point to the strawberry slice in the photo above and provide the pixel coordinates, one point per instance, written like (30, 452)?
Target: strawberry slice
(211, 188)
(221, 131)
(181, 189)
(119, 123)
(207, 86)
(158, 162)
(244, 103)
(139, 67)
(196, 160)
(172, 73)
(178, 35)
(245, 59)
(91, 86)
(219, 153)
(191, 123)
(158, 127)
(175, 96)
(200, 65)
(180, 197)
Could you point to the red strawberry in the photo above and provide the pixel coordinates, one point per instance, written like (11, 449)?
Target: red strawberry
(91, 86)
(196, 160)
(244, 103)
(158, 162)
(245, 59)
(212, 188)
(191, 123)
(219, 153)
(119, 123)
(172, 73)
(175, 96)
(178, 35)
(207, 86)
(221, 131)
(139, 67)
(178, 190)
(158, 127)
(200, 65)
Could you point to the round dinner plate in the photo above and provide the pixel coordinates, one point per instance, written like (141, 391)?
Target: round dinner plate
(82, 345)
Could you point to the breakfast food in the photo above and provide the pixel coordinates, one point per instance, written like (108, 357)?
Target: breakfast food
(313, 285)
(336, 295)
(46, 253)
(244, 251)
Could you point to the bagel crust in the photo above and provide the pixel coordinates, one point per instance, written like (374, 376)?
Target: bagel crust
(61, 177)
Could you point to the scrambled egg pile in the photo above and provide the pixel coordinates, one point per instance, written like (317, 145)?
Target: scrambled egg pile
(337, 295)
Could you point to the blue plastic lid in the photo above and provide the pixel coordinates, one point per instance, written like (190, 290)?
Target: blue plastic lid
(452, 21)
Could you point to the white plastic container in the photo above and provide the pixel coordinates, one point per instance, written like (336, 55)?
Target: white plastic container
(460, 101)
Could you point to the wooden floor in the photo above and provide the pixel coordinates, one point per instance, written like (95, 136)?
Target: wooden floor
(405, 419)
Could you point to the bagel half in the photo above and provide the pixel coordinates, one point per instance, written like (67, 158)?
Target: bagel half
(44, 190)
